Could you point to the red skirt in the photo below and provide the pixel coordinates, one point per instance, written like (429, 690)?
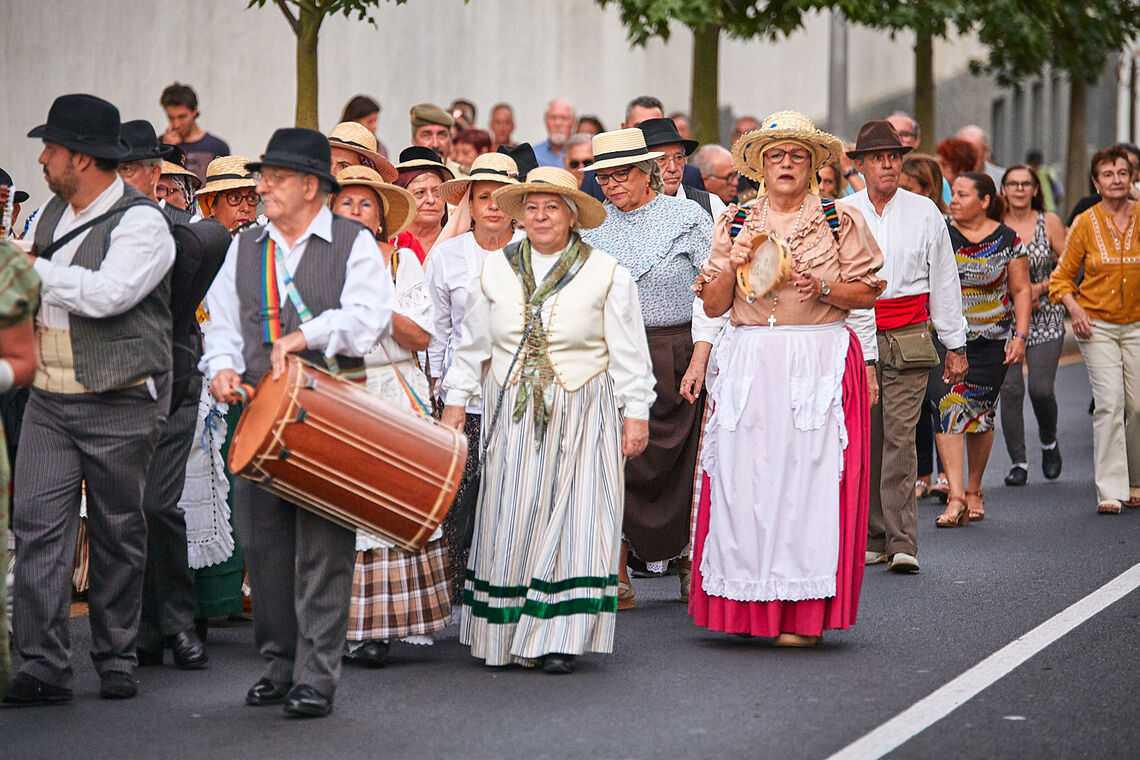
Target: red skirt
(813, 616)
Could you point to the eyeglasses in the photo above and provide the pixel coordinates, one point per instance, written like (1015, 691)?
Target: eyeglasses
(776, 155)
(1027, 184)
(580, 164)
(235, 199)
(619, 176)
(671, 159)
(904, 135)
(273, 177)
(165, 191)
(732, 176)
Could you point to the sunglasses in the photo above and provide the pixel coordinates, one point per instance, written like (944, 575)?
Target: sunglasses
(580, 164)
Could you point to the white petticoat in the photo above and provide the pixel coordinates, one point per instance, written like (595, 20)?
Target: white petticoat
(773, 450)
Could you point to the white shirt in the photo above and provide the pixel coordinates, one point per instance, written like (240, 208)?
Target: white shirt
(452, 273)
(366, 301)
(715, 202)
(629, 365)
(917, 258)
(412, 301)
(141, 252)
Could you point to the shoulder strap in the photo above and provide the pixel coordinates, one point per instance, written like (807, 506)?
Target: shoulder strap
(831, 214)
(701, 197)
(48, 252)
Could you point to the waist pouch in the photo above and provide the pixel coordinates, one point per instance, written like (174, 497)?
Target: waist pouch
(910, 347)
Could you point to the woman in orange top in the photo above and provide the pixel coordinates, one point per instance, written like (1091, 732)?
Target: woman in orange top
(1105, 312)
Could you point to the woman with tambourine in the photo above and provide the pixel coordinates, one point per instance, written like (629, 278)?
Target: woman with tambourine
(782, 527)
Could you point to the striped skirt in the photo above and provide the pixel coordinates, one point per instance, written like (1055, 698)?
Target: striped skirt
(542, 575)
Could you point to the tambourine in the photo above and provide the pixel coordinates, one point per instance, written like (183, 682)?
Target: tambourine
(768, 269)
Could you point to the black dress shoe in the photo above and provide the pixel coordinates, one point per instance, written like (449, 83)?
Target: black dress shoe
(370, 654)
(1051, 462)
(1018, 476)
(189, 651)
(28, 691)
(265, 692)
(115, 684)
(306, 702)
(558, 664)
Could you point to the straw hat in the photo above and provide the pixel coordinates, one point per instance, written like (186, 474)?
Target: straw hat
(550, 179)
(784, 126)
(227, 173)
(419, 157)
(169, 168)
(488, 167)
(621, 147)
(399, 205)
(354, 136)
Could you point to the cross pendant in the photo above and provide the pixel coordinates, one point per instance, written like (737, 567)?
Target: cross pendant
(771, 321)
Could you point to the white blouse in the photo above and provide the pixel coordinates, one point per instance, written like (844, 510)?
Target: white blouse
(628, 364)
(412, 301)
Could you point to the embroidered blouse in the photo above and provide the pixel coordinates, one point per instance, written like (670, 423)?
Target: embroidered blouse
(663, 245)
(1110, 290)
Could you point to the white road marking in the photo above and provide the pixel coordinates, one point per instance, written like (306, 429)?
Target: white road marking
(944, 700)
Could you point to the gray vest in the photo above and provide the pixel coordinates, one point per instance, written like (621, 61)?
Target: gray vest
(319, 279)
(117, 351)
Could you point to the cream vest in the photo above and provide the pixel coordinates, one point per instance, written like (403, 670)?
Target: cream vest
(573, 318)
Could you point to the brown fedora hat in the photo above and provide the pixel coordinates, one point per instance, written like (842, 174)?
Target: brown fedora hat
(876, 136)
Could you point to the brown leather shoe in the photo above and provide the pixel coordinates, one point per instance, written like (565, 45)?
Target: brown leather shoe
(627, 599)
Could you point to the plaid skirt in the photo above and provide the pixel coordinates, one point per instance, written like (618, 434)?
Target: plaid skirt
(397, 593)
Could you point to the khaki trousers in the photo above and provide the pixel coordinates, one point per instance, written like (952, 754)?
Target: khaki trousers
(893, 525)
(1112, 358)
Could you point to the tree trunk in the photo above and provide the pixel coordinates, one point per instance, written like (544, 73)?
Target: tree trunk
(837, 76)
(924, 91)
(308, 30)
(1076, 153)
(704, 105)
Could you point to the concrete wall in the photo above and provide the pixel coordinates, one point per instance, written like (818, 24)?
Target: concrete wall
(241, 62)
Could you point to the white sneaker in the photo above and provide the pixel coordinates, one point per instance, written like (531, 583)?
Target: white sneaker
(901, 562)
(875, 558)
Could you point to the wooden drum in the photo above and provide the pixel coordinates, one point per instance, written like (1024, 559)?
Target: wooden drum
(330, 446)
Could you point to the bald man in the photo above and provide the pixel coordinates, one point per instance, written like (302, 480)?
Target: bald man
(977, 137)
(910, 134)
(559, 119)
(718, 172)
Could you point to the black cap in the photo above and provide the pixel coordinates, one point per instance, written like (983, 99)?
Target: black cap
(664, 132)
(302, 150)
(85, 124)
(142, 142)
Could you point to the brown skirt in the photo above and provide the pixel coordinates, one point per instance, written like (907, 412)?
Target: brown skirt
(659, 483)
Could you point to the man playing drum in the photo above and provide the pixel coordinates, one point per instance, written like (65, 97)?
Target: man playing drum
(329, 302)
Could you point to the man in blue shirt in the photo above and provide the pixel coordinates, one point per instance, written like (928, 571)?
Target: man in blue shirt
(559, 120)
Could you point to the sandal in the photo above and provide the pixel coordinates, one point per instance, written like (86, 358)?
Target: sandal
(627, 600)
(796, 641)
(1108, 507)
(957, 514)
(921, 488)
(1133, 497)
(941, 489)
(977, 514)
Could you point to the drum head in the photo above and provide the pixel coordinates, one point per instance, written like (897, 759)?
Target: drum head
(259, 420)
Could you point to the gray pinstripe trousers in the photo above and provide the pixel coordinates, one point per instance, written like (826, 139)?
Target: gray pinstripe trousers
(300, 573)
(107, 440)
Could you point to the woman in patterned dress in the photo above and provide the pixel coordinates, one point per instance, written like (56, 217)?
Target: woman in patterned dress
(396, 594)
(994, 273)
(554, 344)
(1043, 234)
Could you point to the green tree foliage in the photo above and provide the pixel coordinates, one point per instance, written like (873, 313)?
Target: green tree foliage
(707, 19)
(305, 18)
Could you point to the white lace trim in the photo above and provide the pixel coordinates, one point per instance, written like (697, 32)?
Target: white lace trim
(769, 590)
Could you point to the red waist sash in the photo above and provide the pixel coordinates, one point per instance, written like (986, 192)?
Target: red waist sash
(893, 313)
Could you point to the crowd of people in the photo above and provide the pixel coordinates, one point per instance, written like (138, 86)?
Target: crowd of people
(728, 362)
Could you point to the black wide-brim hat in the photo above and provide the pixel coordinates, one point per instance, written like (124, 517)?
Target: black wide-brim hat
(302, 150)
(524, 158)
(18, 196)
(664, 132)
(85, 124)
(142, 142)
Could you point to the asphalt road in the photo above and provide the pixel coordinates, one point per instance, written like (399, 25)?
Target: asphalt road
(672, 690)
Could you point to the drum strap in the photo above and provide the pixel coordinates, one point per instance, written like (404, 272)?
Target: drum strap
(273, 262)
(418, 403)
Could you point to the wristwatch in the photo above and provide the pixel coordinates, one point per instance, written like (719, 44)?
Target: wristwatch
(1024, 338)
(960, 350)
(824, 288)
(850, 172)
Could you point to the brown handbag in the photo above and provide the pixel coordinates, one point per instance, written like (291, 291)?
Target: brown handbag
(910, 347)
